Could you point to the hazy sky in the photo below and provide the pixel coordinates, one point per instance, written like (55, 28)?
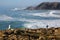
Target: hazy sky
(22, 3)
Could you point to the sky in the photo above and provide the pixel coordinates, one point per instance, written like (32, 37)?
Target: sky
(22, 3)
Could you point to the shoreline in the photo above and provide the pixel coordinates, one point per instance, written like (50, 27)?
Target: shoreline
(30, 34)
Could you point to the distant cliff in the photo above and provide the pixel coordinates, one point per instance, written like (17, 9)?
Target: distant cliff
(46, 5)
(30, 8)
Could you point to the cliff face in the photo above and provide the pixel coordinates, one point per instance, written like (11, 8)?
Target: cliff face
(48, 5)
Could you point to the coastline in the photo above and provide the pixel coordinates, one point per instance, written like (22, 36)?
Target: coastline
(30, 34)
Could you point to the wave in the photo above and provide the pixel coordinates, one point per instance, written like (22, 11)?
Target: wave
(17, 9)
(5, 18)
(46, 14)
(34, 24)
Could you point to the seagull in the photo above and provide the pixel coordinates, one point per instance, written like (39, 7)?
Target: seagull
(9, 27)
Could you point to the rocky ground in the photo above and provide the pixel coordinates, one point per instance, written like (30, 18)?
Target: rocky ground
(30, 34)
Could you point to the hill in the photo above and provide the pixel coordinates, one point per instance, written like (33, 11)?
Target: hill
(46, 5)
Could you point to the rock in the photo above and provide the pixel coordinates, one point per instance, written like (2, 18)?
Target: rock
(8, 32)
(31, 34)
(30, 8)
(46, 6)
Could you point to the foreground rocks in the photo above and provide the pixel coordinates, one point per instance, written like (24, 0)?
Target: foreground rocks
(31, 34)
(46, 6)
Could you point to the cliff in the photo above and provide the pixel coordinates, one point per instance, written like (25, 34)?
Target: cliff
(30, 8)
(47, 5)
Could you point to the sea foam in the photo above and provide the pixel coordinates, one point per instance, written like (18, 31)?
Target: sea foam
(5, 17)
(46, 14)
(42, 23)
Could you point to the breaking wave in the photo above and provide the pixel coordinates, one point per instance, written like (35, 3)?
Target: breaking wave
(17, 9)
(47, 14)
(30, 18)
(5, 18)
(42, 23)
(33, 23)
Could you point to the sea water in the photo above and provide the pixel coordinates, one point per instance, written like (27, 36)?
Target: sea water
(32, 19)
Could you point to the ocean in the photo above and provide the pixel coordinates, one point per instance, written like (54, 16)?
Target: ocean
(32, 19)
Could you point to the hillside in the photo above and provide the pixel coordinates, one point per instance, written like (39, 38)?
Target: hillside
(46, 5)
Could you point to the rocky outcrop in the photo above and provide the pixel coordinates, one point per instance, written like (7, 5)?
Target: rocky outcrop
(47, 6)
(30, 8)
(31, 34)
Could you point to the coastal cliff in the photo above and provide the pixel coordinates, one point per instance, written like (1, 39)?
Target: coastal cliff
(46, 5)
